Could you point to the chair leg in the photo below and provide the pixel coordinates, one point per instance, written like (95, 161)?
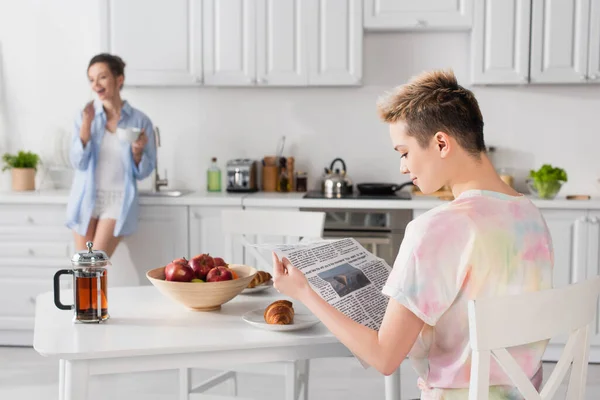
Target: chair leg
(185, 383)
(291, 381)
(304, 366)
(233, 384)
(61, 380)
(392, 386)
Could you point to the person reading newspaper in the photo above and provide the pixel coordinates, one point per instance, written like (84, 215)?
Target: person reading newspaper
(489, 241)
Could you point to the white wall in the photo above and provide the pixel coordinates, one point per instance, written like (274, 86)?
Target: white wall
(47, 45)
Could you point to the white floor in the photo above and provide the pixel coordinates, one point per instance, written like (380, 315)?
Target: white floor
(25, 375)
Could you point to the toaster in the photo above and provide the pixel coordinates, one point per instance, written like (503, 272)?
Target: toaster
(241, 175)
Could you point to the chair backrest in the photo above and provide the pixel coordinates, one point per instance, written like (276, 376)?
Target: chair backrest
(497, 323)
(250, 227)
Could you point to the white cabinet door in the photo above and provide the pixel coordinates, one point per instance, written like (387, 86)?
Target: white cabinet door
(206, 234)
(335, 41)
(160, 41)
(593, 263)
(423, 14)
(229, 42)
(162, 236)
(281, 50)
(594, 43)
(559, 41)
(500, 42)
(568, 229)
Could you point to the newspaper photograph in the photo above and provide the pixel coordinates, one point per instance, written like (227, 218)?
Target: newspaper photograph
(344, 274)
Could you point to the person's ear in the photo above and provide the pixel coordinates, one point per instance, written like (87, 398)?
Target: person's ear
(120, 81)
(442, 143)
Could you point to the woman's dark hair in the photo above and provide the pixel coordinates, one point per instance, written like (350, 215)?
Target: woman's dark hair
(115, 63)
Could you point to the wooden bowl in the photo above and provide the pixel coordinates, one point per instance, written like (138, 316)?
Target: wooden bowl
(202, 296)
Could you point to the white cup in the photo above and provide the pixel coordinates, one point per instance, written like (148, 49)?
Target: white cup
(128, 135)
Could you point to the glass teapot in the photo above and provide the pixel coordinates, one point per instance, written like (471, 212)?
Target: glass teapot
(89, 286)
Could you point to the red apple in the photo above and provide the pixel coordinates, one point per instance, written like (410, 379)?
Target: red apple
(179, 271)
(201, 264)
(219, 274)
(219, 262)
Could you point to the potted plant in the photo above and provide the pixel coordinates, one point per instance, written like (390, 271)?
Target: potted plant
(24, 166)
(545, 183)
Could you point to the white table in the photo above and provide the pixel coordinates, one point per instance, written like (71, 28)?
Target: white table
(149, 332)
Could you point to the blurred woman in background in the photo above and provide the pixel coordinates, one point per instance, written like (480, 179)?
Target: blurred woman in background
(103, 204)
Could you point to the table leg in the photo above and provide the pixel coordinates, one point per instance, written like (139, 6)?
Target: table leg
(61, 379)
(185, 383)
(76, 379)
(392, 386)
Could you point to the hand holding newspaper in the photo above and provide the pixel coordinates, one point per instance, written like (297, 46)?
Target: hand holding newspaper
(344, 274)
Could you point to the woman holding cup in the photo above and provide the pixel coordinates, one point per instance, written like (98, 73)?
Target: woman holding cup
(112, 147)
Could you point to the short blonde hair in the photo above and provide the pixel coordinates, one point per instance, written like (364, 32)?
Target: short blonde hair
(432, 102)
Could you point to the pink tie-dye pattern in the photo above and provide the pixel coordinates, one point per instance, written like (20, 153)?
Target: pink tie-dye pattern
(435, 281)
(537, 251)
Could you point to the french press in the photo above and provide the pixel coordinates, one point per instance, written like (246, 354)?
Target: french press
(89, 286)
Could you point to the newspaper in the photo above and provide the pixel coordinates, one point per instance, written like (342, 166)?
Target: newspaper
(344, 274)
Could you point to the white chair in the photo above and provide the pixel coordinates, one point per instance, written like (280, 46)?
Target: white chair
(252, 227)
(498, 323)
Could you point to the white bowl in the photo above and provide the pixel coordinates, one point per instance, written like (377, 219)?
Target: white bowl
(128, 135)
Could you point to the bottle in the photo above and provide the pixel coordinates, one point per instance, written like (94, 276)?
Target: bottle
(213, 177)
(283, 184)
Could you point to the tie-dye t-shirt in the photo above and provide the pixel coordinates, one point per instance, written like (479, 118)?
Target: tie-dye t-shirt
(481, 244)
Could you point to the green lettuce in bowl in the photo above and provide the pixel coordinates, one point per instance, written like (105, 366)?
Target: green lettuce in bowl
(545, 183)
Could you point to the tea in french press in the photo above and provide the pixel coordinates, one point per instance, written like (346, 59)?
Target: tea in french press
(89, 286)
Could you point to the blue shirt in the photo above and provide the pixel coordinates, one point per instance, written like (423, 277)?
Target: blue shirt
(84, 159)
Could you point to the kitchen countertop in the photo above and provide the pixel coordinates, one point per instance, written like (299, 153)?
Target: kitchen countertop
(62, 197)
(278, 200)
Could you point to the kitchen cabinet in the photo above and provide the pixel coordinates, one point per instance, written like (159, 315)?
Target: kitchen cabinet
(576, 241)
(500, 42)
(34, 244)
(282, 42)
(335, 42)
(594, 43)
(536, 41)
(229, 34)
(161, 237)
(235, 42)
(160, 41)
(206, 234)
(559, 41)
(418, 15)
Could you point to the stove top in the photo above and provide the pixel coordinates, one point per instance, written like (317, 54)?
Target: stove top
(315, 194)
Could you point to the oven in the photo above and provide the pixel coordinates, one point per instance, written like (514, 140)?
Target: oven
(379, 231)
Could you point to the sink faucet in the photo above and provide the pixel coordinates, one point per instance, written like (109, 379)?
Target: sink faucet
(158, 182)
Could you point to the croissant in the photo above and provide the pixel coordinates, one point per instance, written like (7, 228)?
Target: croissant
(280, 312)
(259, 278)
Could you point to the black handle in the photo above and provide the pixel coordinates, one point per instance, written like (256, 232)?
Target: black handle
(395, 188)
(338, 159)
(57, 288)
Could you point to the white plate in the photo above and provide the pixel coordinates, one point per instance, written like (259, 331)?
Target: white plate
(301, 321)
(268, 284)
